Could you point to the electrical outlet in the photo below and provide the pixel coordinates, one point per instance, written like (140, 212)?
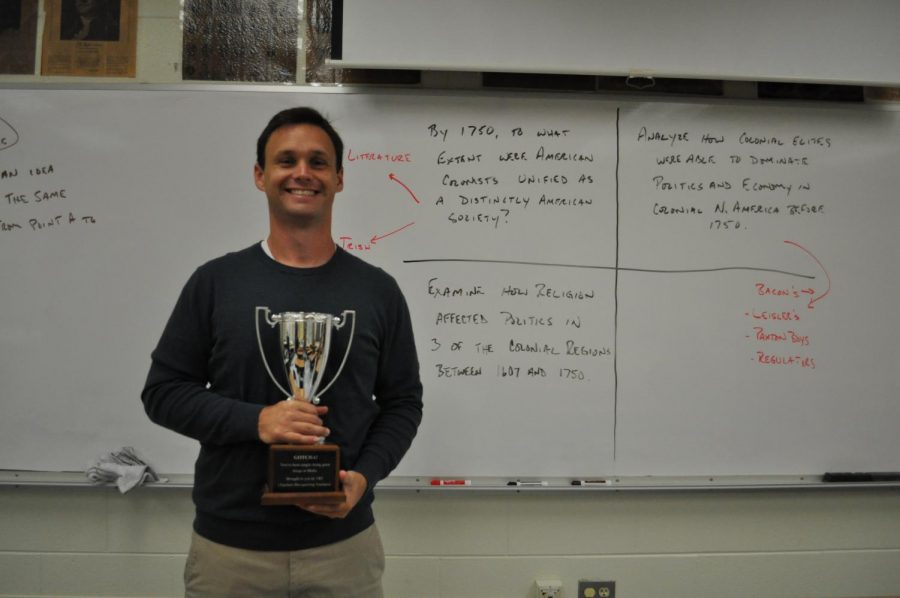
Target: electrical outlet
(596, 589)
(548, 588)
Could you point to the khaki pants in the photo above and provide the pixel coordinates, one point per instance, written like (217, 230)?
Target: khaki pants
(352, 567)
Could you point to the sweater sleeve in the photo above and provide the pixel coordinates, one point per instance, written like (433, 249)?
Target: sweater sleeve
(176, 393)
(398, 394)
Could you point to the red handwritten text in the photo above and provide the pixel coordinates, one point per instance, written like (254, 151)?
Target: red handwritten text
(377, 157)
(785, 360)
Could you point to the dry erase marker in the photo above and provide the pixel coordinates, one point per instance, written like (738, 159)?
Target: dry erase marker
(451, 482)
(855, 477)
(527, 484)
(590, 482)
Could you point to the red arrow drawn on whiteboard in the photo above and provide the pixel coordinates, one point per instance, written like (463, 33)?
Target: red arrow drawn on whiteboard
(812, 301)
(377, 238)
(394, 178)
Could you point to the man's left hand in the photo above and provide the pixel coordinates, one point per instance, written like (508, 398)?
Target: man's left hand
(354, 484)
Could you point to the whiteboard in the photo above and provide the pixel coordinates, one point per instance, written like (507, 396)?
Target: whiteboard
(830, 41)
(597, 287)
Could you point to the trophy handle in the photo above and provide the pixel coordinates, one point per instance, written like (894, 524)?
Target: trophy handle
(262, 353)
(338, 325)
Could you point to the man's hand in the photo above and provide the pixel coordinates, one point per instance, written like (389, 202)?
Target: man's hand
(295, 422)
(354, 484)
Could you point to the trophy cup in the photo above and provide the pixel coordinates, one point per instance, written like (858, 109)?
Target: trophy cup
(303, 472)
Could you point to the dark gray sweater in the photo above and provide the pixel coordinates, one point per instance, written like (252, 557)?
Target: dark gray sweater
(375, 405)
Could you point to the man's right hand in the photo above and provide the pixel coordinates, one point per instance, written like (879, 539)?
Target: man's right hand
(295, 422)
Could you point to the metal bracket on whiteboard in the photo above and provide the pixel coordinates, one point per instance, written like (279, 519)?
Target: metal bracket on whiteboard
(640, 80)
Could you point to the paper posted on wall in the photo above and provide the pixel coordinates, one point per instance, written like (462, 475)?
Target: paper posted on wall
(93, 38)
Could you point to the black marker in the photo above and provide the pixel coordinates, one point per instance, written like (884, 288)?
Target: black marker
(857, 477)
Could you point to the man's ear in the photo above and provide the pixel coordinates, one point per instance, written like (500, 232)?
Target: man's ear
(340, 176)
(258, 177)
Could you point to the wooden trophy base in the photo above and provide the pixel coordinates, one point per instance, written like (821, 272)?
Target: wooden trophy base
(270, 499)
(303, 473)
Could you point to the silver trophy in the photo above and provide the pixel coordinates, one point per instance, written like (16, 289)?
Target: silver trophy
(300, 472)
(305, 341)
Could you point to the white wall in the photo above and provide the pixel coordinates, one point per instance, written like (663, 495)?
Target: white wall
(80, 541)
(832, 543)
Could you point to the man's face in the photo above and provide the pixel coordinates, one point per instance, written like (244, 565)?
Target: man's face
(300, 178)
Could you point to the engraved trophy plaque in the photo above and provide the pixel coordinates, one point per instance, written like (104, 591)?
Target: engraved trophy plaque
(304, 472)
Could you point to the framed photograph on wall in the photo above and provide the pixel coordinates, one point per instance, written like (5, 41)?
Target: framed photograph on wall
(91, 38)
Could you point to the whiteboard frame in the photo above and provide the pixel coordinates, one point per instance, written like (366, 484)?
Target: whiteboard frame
(420, 485)
(410, 484)
(603, 96)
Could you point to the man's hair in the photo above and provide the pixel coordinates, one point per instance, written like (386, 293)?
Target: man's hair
(301, 115)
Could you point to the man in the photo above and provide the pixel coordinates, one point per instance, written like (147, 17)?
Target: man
(208, 381)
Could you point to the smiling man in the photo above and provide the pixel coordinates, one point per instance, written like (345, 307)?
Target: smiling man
(300, 174)
(207, 381)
